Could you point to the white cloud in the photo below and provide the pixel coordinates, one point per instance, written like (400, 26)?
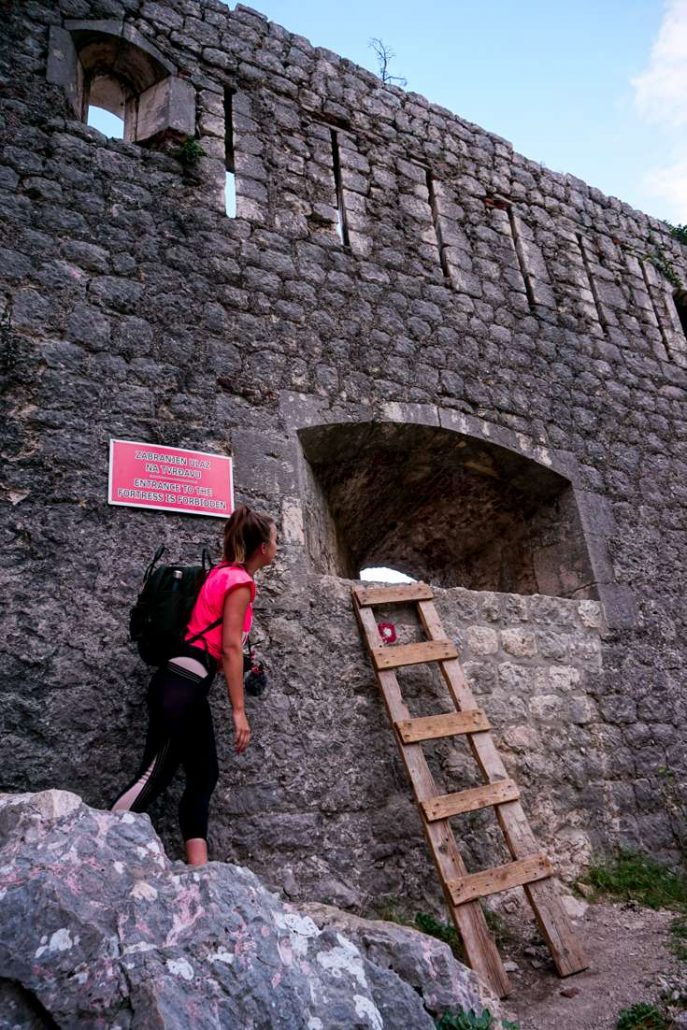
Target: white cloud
(661, 90)
(670, 183)
(660, 94)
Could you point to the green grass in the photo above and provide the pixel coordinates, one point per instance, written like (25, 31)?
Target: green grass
(459, 1019)
(678, 937)
(635, 877)
(496, 924)
(642, 1016)
(392, 912)
(445, 932)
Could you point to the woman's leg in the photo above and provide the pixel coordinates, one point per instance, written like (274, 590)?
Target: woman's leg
(196, 851)
(199, 760)
(169, 700)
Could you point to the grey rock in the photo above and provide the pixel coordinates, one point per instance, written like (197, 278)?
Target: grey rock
(100, 928)
(426, 963)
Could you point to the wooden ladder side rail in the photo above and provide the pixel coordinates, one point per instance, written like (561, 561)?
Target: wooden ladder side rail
(544, 895)
(481, 951)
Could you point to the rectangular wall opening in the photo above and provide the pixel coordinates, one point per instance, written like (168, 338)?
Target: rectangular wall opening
(341, 223)
(437, 224)
(681, 307)
(229, 163)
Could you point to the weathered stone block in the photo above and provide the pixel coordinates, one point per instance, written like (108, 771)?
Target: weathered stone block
(482, 640)
(518, 642)
(166, 107)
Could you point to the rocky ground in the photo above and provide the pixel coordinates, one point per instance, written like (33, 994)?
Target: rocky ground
(100, 929)
(630, 961)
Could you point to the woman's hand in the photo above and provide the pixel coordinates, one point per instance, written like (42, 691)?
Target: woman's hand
(241, 732)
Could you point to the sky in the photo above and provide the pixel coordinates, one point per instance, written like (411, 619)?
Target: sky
(597, 88)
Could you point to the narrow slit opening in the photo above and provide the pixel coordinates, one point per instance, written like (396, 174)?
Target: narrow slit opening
(341, 224)
(680, 301)
(229, 158)
(437, 223)
(592, 282)
(520, 255)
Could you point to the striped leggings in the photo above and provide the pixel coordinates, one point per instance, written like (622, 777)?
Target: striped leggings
(180, 733)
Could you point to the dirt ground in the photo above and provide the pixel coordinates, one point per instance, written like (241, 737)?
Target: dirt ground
(630, 961)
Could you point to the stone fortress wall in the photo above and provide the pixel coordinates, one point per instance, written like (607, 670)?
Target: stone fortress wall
(422, 350)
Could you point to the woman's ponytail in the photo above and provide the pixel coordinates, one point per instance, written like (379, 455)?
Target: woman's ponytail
(244, 532)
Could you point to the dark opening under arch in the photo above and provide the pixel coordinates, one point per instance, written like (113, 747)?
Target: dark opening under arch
(443, 507)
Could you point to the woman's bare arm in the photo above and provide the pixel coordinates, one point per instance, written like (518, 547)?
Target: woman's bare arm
(234, 613)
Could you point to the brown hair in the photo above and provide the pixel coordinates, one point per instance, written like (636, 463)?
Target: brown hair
(244, 532)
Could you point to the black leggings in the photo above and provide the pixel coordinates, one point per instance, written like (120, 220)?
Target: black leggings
(180, 733)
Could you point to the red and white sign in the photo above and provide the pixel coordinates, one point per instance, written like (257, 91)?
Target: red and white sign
(143, 475)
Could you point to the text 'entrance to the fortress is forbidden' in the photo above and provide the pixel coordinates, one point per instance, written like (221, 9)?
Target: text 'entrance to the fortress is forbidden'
(442, 507)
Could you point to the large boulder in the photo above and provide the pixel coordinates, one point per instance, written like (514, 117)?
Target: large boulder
(423, 962)
(100, 929)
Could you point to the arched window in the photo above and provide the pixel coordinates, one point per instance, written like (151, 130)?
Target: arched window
(106, 105)
(109, 124)
(110, 66)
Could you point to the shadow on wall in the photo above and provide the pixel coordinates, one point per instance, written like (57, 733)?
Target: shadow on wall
(441, 507)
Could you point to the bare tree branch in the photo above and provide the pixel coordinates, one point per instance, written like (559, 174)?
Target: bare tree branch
(384, 55)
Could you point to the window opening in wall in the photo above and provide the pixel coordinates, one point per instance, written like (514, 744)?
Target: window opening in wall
(680, 300)
(581, 243)
(521, 256)
(342, 226)
(380, 574)
(106, 122)
(107, 105)
(229, 158)
(109, 66)
(437, 224)
(464, 513)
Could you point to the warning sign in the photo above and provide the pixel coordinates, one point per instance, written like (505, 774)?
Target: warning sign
(143, 475)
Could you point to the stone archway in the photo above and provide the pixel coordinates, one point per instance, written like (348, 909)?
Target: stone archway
(443, 506)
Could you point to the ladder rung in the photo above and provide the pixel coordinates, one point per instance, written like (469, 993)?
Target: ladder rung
(413, 654)
(500, 878)
(450, 724)
(393, 595)
(446, 805)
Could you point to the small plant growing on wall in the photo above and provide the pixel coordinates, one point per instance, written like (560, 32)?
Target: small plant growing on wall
(189, 152)
(665, 266)
(678, 232)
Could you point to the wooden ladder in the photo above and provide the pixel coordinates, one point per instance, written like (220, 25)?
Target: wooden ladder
(530, 868)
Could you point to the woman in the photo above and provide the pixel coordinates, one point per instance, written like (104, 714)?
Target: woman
(180, 730)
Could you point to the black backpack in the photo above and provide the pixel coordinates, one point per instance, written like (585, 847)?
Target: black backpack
(163, 609)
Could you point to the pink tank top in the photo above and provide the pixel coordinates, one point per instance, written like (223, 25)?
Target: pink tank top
(210, 605)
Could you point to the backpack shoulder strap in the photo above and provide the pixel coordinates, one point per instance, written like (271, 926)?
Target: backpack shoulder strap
(213, 625)
(156, 557)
